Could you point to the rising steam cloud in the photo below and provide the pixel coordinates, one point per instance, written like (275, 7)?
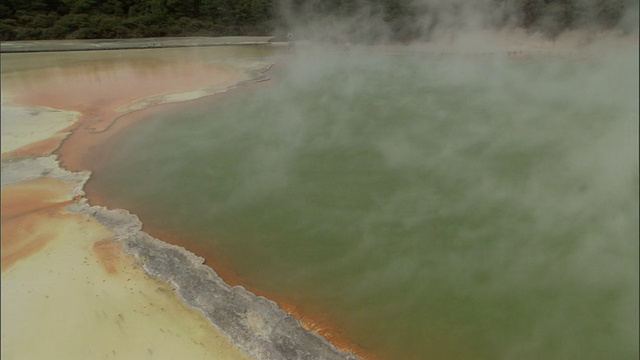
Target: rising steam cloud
(373, 21)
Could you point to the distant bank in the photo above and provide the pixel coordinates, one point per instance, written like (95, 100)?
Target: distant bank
(121, 44)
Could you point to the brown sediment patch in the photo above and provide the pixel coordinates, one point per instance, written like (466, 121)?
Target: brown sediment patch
(20, 239)
(26, 235)
(29, 196)
(108, 252)
(97, 86)
(29, 212)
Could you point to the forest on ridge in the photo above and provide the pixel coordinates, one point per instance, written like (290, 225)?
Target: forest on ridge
(403, 19)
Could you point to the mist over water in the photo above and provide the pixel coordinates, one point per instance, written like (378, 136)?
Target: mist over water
(453, 207)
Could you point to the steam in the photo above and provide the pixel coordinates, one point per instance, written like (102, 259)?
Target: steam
(542, 165)
(363, 21)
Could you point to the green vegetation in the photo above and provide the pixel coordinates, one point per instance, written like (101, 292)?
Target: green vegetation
(108, 19)
(404, 19)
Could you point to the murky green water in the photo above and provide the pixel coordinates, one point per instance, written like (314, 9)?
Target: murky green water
(438, 207)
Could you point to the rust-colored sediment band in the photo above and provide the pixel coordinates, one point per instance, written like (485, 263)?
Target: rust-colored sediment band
(108, 252)
(27, 209)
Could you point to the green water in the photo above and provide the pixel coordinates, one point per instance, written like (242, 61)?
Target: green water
(436, 207)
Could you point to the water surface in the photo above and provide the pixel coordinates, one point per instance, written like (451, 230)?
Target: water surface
(455, 207)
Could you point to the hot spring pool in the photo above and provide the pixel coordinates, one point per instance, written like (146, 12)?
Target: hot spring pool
(432, 207)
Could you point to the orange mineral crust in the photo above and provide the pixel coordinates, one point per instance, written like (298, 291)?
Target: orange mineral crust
(108, 252)
(30, 213)
(98, 87)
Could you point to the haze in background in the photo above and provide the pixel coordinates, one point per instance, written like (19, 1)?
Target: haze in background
(375, 21)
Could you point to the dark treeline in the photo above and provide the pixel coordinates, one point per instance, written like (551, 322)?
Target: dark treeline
(108, 19)
(402, 19)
